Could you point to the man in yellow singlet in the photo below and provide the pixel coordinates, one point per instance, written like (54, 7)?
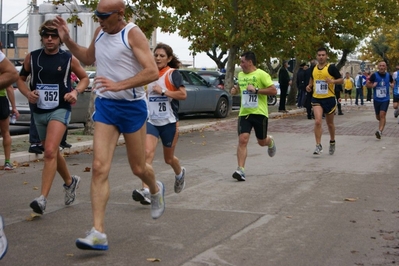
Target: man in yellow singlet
(322, 81)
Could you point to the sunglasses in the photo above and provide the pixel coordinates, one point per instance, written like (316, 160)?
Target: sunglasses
(53, 36)
(104, 15)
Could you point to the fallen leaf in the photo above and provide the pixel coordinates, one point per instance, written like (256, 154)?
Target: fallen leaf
(388, 237)
(25, 164)
(25, 183)
(153, 259)
(35, 188)
(33, 216)
(69, 255)
(351, 199)
(87, 169)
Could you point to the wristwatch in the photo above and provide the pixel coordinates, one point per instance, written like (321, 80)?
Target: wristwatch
(256, 90)
(163, 91)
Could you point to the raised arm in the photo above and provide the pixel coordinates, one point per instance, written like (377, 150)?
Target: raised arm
(83, 54)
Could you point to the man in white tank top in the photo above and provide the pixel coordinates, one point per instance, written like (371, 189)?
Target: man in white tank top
(124, 65)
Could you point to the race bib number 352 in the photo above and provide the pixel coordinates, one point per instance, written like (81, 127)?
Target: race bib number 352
(48, 96)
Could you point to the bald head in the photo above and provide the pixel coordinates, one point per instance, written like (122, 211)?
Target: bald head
(111, 5)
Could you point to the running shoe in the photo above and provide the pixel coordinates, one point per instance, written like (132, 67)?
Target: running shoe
(158, 202)
(239, 174)
(94, 240)
(8, 166)
(142, 195)
(70, 192)
(378, 134)
(396, 113)
(39, 204)
(272, 149)
(318, 150)
(3, 239)
(331, 150)
(180, 183)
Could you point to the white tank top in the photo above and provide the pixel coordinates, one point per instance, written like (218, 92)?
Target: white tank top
(116, 61)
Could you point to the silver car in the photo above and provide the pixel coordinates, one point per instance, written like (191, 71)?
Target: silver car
(202, 97)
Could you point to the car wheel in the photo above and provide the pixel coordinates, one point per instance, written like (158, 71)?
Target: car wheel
(222, 108)
(271, 99)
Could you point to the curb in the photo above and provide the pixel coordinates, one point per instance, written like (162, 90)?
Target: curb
(24, 156)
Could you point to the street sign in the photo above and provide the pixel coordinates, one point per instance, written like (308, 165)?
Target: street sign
(9, 27)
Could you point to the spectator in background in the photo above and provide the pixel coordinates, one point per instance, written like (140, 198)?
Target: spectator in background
(349, 84)
(366, 76)
(308, 98)
(359, 88)
(284, 80)
(300, 83)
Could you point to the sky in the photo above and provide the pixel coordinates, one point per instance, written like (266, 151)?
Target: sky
(14, 11)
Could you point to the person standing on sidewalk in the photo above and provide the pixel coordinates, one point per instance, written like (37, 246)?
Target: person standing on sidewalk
(323, 80)
(164, 122)
(359, 88)
(366, 76)
(51, 97)
(395, 77)
(8, 76)
(308, 100)
(284, 80)
(254, 85)
(349, 84)
(124, 65)
(380, 82)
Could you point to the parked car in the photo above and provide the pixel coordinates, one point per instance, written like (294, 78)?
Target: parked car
(79, 110)
(91, 75)
(203, 97)
(217, 78)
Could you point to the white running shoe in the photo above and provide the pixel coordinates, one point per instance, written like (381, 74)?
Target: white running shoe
(158, 202)
(94, 240)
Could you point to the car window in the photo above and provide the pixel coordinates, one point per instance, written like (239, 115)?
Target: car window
(185, 80)
(197, 80)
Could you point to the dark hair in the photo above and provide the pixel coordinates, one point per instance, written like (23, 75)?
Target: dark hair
(175, 62)
(250, 56)
(321, 49)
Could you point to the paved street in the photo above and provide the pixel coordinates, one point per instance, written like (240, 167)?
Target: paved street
(294, 209)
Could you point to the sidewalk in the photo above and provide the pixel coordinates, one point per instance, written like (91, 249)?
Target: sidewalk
(20, 143)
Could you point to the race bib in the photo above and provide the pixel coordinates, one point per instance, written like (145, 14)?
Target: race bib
(321, 87)
(249, 99)
(48, 96)
(381, 92)
(158, 107)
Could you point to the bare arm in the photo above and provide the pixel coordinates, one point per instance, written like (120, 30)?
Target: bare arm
(11, 98)
(9, 74)
(83, 54)
(21, 82)
(83, 83)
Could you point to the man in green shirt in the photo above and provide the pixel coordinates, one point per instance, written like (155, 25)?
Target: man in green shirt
(254, 85)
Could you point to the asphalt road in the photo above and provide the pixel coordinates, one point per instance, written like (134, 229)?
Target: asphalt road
(294, 209)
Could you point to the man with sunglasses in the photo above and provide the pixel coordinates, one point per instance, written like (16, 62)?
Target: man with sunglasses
(50, 94)
(124, 65)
